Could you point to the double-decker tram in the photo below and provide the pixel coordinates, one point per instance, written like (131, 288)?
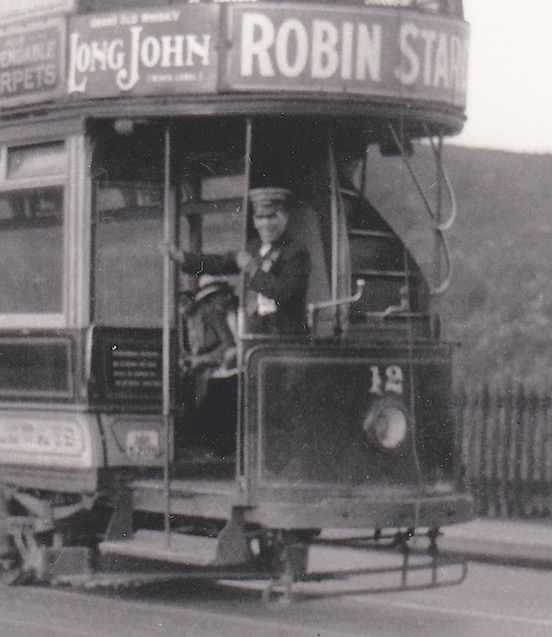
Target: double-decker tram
(145, 423)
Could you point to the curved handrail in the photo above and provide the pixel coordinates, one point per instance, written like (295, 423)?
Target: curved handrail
(439, 228)
(444, 225)
(445, 282)
(313, 308)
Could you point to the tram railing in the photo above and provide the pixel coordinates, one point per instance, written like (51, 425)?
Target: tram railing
(444, 7)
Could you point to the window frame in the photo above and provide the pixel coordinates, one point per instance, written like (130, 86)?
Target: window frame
(58, 178)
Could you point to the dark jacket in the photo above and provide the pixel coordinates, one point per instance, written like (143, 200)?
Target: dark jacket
(282, 276)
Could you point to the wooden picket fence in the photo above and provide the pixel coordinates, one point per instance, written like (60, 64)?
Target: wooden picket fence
(505, 441)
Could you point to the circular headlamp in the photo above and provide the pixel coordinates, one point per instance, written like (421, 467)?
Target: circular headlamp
(386, 424)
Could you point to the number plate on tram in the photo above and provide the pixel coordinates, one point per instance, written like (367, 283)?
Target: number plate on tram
(142, 444)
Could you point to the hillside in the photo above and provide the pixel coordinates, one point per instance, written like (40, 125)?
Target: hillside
(499, 305)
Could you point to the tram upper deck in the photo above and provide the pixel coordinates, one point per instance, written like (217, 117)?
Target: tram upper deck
(380, 60)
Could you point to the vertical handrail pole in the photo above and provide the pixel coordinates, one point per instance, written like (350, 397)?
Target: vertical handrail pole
(241, 311)
(167, 316)
(335, 252)
(334, 220)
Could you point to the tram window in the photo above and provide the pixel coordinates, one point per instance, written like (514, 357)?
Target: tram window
(128, 264)
(220, 188)
(221, 223)
(128, 199)
(36, 161)
(17, 208)
(212, 206)
(31, 245)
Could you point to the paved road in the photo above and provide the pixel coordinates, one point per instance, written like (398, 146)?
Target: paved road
(494, 601)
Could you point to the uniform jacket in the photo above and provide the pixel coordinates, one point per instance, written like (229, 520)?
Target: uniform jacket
(282, 276)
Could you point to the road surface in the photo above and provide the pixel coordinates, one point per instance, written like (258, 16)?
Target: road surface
(494, 601)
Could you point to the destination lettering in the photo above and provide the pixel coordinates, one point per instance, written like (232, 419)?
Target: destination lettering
(41, 437)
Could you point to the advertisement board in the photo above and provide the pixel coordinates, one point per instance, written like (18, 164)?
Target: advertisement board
(363, 51)
(32, 58)
(186, 49)
(161, 50)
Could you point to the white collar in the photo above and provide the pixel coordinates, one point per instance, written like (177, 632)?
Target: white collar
(265, 249)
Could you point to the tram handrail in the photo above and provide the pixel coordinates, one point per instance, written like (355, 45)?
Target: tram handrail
(314, 308)
(444, 226)
(438, 227)
(393, 309)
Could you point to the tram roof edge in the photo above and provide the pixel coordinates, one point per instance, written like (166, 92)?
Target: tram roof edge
(415, 116)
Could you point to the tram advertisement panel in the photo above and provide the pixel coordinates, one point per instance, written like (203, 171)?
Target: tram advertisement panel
(32, 56)
(148, 51)
(362, 51)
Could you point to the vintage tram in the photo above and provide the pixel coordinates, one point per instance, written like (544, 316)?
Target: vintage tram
(131, 128)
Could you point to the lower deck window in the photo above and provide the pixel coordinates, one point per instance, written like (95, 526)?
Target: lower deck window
(31, 245)
(128, 262)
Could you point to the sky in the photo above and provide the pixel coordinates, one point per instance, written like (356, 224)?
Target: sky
(509, 76)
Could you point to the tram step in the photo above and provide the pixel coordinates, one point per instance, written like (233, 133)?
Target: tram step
(185, 550)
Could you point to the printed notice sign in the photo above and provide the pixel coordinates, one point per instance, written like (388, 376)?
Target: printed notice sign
(135, 368)
(31, 60)
(144, 52)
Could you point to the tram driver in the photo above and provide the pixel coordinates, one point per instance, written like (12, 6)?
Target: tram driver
(276, 270)
(275, 265)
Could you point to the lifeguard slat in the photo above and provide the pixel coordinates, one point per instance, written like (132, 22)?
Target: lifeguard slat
(157, 546)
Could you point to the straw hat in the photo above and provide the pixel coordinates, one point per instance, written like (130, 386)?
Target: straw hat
(209, 285)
